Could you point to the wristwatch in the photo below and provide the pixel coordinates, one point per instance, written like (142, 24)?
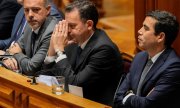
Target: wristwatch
(58, 52)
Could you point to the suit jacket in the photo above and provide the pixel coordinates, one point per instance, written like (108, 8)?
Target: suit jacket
(27, 64)
(161, 86)
(56, 12)
(8, 11)
(98, 70)
(4, 44)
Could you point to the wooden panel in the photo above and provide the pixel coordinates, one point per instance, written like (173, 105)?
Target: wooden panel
(6, 92)
(139, 15)
(150, 5)
(17, 92)
(36, 103)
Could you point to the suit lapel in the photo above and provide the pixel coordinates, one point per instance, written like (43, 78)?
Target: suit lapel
(40, 33)
(27, 39)
(85, 52)
(159, 62)
(17, 22)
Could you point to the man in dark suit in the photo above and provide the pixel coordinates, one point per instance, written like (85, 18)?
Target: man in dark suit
(159, 85)
(30, 50)
(97, 67)
(8, 11)
(19, 25)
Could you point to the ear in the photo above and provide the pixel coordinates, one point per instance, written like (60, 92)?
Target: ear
(48, 8)
(89, 24)
(161, 37)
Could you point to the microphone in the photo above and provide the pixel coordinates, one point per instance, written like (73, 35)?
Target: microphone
(2, 56)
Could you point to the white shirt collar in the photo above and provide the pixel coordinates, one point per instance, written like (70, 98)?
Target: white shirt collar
(154, 58)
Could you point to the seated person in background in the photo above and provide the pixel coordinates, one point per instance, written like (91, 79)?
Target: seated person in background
(19, 25)
(8, 11)
(30, 50)
(159, 85)
(84, 54)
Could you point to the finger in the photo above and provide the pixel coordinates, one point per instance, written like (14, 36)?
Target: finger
(15, 64)
(15, 44)
(63, 27)
(11, 64)
(60, 27)
(7, 63)
(66, 29)
(56, 30)
(54, 34)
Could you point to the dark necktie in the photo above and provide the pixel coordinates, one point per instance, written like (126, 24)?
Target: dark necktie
(79, 50)
(143, 75)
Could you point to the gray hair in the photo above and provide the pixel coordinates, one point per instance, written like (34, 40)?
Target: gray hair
(47, 2)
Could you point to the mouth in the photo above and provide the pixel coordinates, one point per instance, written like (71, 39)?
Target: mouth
(32, 21)
(139, 39)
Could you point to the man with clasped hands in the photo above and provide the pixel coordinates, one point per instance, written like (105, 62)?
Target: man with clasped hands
(84, 54)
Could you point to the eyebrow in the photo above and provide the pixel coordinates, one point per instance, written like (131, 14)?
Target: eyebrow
(146, 27)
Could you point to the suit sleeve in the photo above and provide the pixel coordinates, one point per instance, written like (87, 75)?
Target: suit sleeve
(31, 65)
(98, 64)
(120, 94)
(4, 43)
(165, 88)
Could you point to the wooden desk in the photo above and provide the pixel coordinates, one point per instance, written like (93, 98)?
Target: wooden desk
(16, 92)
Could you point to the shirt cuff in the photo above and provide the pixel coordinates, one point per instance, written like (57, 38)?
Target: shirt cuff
(126, 97)
(49, 59)
(60, 57)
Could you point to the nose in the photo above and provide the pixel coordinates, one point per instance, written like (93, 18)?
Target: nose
(140, 31)
(30, 14)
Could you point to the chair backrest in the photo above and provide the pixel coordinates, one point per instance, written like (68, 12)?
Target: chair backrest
(127, 59)
(126, 66)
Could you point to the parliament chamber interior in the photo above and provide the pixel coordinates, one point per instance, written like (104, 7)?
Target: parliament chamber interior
(121, 19)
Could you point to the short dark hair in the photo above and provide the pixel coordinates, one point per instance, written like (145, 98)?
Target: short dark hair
(87, 10)
(167, 23)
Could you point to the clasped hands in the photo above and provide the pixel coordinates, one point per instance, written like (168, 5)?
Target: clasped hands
(60, 38)
(11, 62)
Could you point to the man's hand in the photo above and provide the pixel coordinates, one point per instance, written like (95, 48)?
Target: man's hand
(11, 63)
(15, 48)
(60, 36)
(2, 52)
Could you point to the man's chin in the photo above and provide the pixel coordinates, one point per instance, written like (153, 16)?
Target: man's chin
(34, 27)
